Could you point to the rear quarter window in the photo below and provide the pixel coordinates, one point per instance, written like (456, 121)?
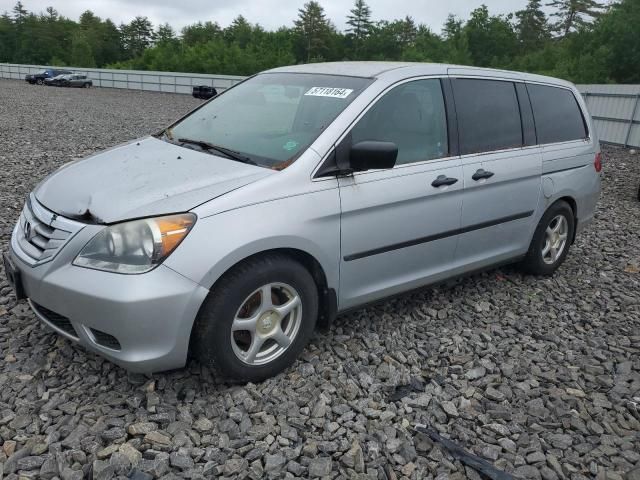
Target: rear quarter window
(557, 114)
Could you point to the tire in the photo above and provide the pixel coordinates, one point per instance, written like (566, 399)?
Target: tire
(86, 85)
(40, 81)
(238, 299)
(542, 258)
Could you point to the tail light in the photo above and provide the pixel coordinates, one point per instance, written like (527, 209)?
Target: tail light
(597, 163)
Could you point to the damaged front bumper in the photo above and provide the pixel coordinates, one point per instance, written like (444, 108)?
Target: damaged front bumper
(140, 322)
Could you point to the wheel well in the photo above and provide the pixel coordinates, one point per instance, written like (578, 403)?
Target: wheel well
(327, 298)
(574, 208)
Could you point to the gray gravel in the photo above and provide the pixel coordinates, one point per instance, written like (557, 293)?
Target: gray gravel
(540, 376)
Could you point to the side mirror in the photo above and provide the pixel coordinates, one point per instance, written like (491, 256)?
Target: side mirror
(372, 155)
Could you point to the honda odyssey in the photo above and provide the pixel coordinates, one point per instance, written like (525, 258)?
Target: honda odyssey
(300, 193)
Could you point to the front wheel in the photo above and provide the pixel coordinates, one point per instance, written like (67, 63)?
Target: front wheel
(40, 81)
(551, 240)
(257, 319)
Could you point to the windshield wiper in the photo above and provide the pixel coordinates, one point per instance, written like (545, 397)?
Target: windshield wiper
(232, 154)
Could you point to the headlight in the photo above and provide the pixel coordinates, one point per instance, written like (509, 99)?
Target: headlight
(137, 246)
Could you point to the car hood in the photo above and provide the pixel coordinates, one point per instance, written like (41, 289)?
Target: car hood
(142, 178)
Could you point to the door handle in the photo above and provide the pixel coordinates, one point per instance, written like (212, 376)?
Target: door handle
(443, 180)
(481, 174)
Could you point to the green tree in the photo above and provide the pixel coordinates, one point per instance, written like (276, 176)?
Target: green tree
(407, 32)
(165, 34)
(491, 39)
(456, 43)
(390, 40)
(7, 38)
(618, 33)
(111, 47)
(81, 55)
(573, 14)
(240, 31)
(20, 15)
(532, 27)
(200, 33)
(594, 45)
(360, 25)
(313, 32)
(52, 14)
(137, 36)
(427, 47)
(90, 26)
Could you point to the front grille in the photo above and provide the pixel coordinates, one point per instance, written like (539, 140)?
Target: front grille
(55, 319)
(40, 233)
(105, 340)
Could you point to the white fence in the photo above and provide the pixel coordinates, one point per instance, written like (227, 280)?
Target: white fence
(172, 82)
(614, 108)
(616, 112)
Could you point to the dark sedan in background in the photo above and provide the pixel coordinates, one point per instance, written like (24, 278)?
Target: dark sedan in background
(39, 77)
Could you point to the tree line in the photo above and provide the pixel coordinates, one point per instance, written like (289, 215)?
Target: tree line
(585, 41)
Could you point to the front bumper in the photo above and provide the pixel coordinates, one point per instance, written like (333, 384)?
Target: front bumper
(149, 315)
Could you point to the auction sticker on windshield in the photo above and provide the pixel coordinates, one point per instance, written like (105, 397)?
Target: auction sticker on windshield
(329, 92)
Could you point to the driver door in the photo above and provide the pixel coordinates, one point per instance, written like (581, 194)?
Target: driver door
(400, 227)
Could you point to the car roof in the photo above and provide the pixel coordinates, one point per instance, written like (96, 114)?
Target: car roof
(408, 69)
(354, 69)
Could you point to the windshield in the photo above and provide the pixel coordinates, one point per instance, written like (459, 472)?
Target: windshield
(271, 118)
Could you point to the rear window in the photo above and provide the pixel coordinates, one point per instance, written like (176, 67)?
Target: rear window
(557, 114)
(488, 115)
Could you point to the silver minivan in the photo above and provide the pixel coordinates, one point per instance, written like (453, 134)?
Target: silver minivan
(300, 193)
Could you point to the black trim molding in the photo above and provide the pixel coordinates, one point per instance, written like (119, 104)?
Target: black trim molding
(563, 170)
(437, 236)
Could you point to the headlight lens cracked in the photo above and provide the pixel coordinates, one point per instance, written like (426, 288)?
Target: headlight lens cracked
(137, 246)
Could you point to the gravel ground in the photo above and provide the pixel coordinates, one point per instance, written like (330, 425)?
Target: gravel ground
(539, 376)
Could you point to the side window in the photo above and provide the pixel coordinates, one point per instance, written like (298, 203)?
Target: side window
(557, 114)
(488, 115)
(413, 117)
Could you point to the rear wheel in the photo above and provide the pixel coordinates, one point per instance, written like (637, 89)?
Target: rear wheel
(86, 85)
(257, 319)
(551, 240)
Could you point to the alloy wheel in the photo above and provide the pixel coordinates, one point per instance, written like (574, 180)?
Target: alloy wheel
(556, 236)
(266, 323)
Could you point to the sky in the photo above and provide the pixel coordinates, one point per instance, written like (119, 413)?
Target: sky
(271, 14)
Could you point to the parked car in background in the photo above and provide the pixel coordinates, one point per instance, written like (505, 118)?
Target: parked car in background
(75, 80)
(39, 77)
(297, 194)
(204, 92)
(55, 81)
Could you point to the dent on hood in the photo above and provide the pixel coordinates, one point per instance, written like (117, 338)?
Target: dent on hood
(82, 213)
(149, 178)
(85, 217)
